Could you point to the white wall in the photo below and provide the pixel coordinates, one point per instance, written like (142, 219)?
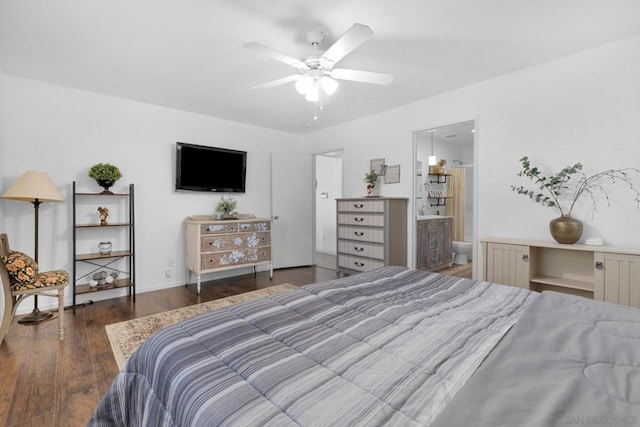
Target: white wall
(2, 156)
(583, 107)
(64, 131)
(2, 150)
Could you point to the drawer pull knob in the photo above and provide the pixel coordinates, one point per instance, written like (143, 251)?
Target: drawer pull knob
(358, 219)
(357, 249)
(359, 233)
(358, 205)
(600, 265)
(525, 258)
(359, 264)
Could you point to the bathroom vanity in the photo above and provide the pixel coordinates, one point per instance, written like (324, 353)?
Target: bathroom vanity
(434, 242)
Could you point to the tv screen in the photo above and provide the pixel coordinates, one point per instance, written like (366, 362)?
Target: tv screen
(211, 169)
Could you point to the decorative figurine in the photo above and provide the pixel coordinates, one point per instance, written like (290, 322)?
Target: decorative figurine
(104, 213)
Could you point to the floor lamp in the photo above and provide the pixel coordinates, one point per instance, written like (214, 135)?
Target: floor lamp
(34, 187)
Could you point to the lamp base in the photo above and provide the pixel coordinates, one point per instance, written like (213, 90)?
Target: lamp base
(35, 317)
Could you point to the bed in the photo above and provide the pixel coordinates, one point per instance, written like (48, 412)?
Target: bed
(395, 346)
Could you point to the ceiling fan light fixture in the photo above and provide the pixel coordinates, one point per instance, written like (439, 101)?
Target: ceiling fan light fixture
(313, 93)
(329, 85)
(304, 84)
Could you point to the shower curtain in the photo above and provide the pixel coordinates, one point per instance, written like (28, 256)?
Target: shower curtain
(455, 205)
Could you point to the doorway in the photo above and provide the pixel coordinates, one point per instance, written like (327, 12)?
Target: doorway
(328, 168)
(450, 151)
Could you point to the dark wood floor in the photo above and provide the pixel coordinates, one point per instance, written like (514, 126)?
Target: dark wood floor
(46, 382)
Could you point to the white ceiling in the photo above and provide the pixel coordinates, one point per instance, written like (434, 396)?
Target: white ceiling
(188, 54)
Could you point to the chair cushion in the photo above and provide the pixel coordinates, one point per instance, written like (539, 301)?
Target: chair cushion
(22, 268)
(44, 280)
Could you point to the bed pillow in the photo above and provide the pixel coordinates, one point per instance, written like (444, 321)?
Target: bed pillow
(21, 267)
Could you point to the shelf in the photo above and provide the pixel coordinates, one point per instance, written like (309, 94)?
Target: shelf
(442, 201)
(113, 254)
(118, 283)
(581, 285)
(117, 224)
(438, 179)
(98, 194)
(86, 264)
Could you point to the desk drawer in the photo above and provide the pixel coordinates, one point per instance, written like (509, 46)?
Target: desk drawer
(370, 220)
(362, 234)
(361, 206)
(361, 249)
(358, 264)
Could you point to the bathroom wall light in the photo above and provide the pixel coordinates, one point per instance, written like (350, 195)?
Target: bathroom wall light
(432, 158)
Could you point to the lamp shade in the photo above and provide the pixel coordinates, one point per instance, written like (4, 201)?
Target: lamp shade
(32, 186)
(329, 85)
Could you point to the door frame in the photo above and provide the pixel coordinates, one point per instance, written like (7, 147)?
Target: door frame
(477, 254)
(315, 183)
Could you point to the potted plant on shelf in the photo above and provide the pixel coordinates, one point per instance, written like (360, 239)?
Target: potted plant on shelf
(371, 179)
(438, 169)
(226, 207)
(555, 188)
(105, 174)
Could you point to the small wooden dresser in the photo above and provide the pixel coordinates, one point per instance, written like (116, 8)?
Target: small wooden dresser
(216, 245)
(372, 233)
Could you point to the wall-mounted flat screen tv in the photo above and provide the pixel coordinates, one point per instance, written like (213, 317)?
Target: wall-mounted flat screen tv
(211, 169)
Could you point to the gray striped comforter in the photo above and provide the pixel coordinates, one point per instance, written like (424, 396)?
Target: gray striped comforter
(386, 347)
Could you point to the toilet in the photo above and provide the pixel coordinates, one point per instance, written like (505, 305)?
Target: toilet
(462, 252)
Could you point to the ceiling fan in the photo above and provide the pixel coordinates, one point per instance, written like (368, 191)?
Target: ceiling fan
(316, 73)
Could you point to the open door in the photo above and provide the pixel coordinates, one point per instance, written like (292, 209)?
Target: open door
(291, 210)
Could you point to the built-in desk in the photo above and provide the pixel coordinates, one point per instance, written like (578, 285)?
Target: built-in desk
(603, 273)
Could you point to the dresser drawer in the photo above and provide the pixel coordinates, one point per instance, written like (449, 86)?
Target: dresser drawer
(255, 226)
(362, 234)
(230, 227)
(361, 249)
(235, 257)
(358, 264)
(213, 243)
(370, 220)
(361, 206)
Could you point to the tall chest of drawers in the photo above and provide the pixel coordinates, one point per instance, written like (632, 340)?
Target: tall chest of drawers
(215, 245)
(372, 233)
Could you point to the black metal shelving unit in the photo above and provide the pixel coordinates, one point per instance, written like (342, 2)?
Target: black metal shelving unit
(105, 262)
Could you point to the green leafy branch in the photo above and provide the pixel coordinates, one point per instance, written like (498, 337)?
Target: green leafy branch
(551, 188)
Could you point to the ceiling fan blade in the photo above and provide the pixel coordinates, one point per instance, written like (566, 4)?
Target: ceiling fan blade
(354, 37)
(362, 76)
(279, 82)
(279, 56)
